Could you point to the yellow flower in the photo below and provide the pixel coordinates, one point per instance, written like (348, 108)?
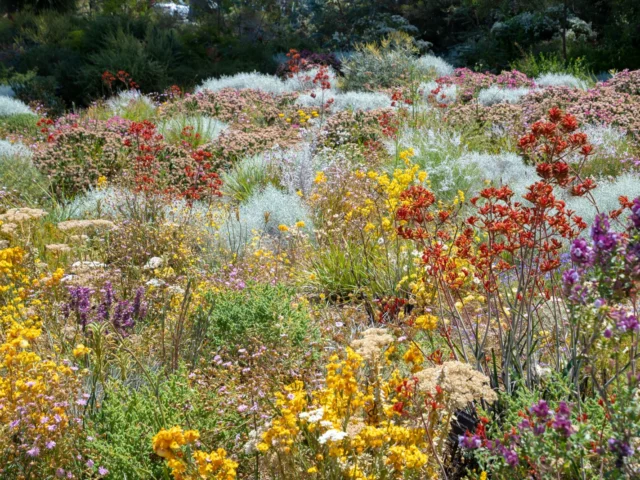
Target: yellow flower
(320, 177)
(300, 224)
(415, 357)
(427, 322)
(283, 228)
(281, 115)
(102, 182)
(312, 470)
(80, 351)
(483, 475)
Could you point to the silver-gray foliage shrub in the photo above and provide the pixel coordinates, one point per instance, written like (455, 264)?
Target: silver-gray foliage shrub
(297, 167)
(120, 102)
(606, 196)
(447, 94)
(262, 214)
(209, 128)
(242, 81)
(495, 94)
(344, 101)
(8, 149)
(12, 106)
(560, 80)
(436, 64)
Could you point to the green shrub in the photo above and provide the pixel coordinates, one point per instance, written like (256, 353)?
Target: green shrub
(21, 124)
(129, 417)
(123, 51)
(38, 89)
(389, 64)
(22, 180)
(535, 65)
(266, 312)
(247, 177)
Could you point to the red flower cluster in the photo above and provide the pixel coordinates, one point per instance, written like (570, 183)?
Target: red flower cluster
(398, 96)
(143, 137)
(435, 97)
(295, 62)
(109, 79)
(322, 78)
(548, 146)
(44, 124)
(390, 308)
(518, 235)
(502, 235)
(389, 124)
(202, 180)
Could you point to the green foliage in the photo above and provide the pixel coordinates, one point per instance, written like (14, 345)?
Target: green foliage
(535, 65)
(123, 51)
(130, 415)
(266, 312)
(247, 177)
(196, 129)
(22, 181)
(388, 64)
(22, 124)
(38, 89)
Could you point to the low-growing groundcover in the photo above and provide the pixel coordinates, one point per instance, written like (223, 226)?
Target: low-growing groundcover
(281, 277)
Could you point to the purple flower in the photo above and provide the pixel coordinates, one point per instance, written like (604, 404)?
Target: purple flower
(621, 448)
(563, 409)
(625, 321)
(123, 316)
(79, 303)
(90, 463)
(50, 445)
(524, 424)
(562, 422)
(107, 301)
(33, 452)
(510, 456)
(540, 410)
(539, 429)
(581, 252)
(635, 215)
(469, 441)
(139, 305)
(102, 471)
(604, 240)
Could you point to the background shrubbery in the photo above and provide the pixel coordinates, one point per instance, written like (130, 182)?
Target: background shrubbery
(55, 52)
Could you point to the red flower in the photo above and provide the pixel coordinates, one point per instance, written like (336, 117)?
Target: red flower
(569, 123)
(555, 114)
(586, 150)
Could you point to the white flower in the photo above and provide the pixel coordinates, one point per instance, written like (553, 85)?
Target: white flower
(87, 265)
(332, 435)
(175, 290)
(312, 416)
(155, 282)
(153, 263)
